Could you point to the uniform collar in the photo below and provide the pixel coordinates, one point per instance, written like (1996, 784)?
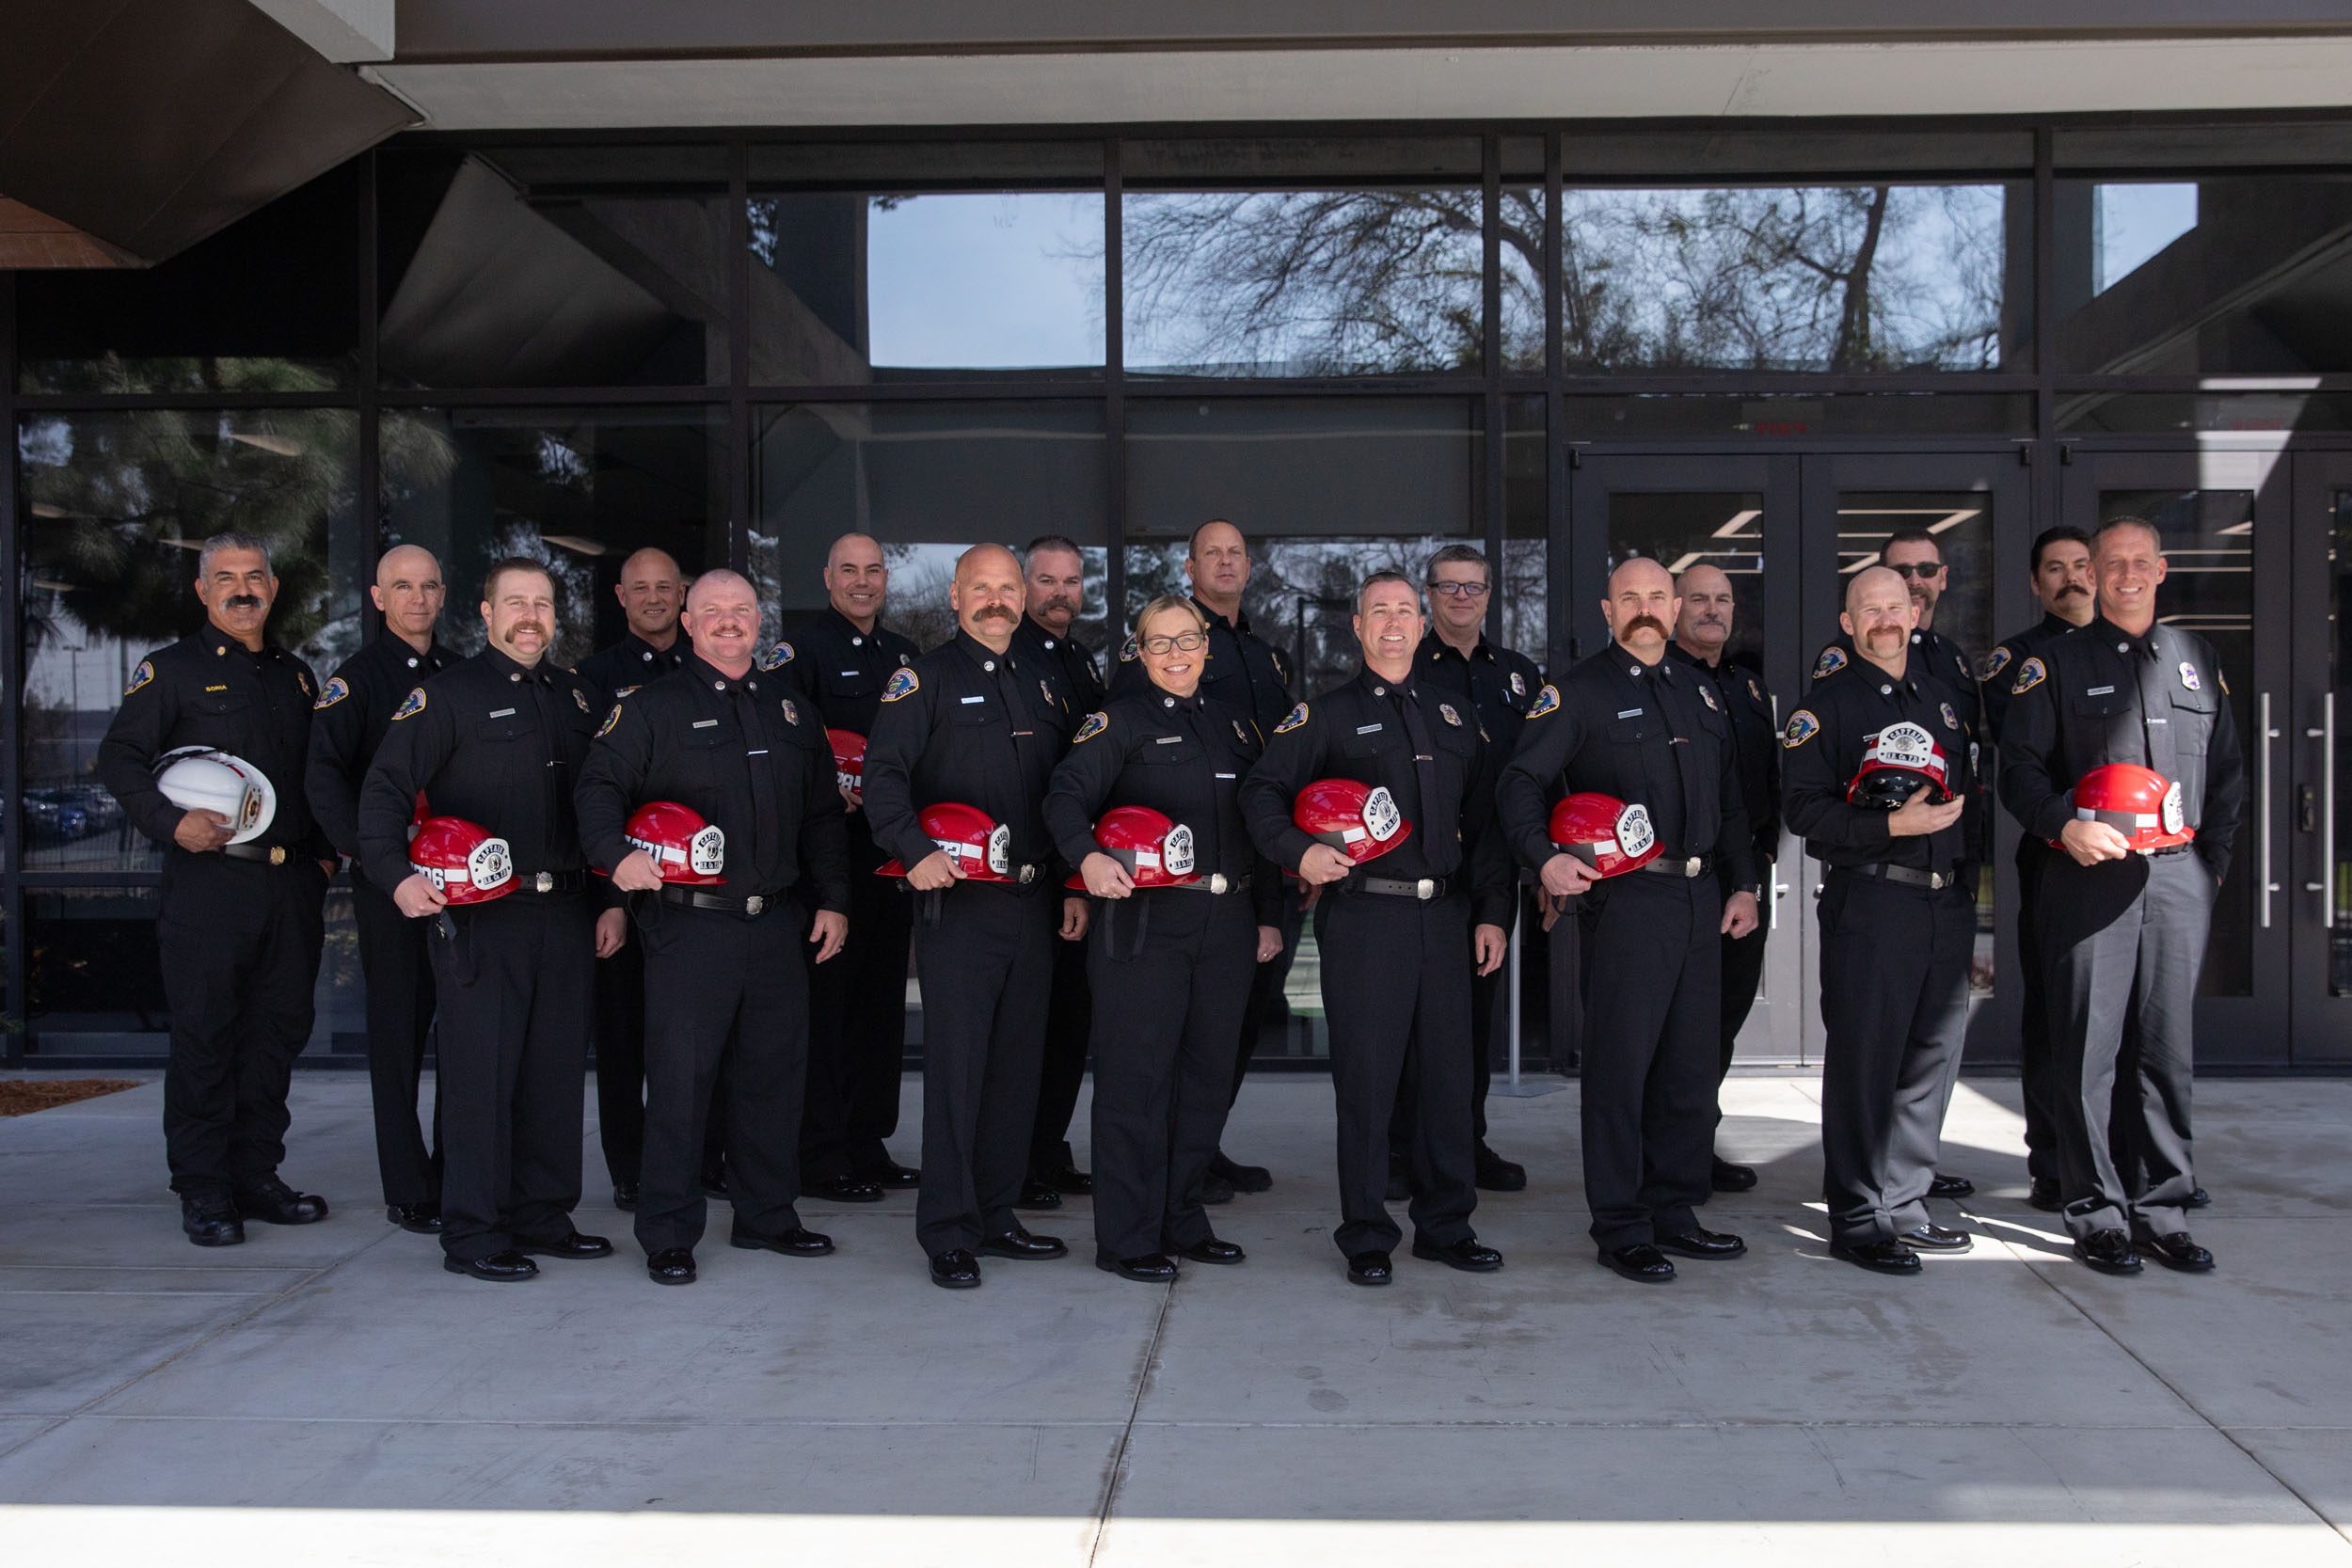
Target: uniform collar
(2124, 641)
(707, 673)
(980, 653)
(1170, 702)
(1681, 655)
(643, 652)
(1631, 668)
(1434, 648)
(498, 660)
(215, 643)
(436, 657)
(1239, 623)
(1035, 635)
(1380, 685)
(2058, 625)
(848, 628)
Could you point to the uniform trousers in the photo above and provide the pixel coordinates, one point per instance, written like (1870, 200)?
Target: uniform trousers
(2033, 1025)
(719, 986)
(983, 956)
(395, 959)
(1895, 1017)
(512, 985)
(620, 1029)
(1172, 968)
(1652, 952)
(1069, 1022)
(1743, 971)
(1396, 992)
(239, 942)
(2123, 943)
(857, 1041)
(1266, 983)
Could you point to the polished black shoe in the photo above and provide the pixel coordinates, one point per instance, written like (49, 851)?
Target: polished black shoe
(1640, 1262)
(672, 1265)
(1241, 1177)
(1400, 1182)
(1940, 1185)
(1212, 1251)
(1214, 1190)
(1877, 1257)
(1495, 1174)
(2043, 1193)
(499, 1268)
(1067, 1180)
(1470, 1255)
(1152, 1268)
(1370, 1268)
(211, 1221)
(1019, 1244)
(422, 1218)
(574, 1247)
(715, 1181)
(955, 1270)
(2198, 1199)
(274, 1201)
(795, 1242)
(625, 1197)
(2108, 1251)
(1709, 1244)
(891, 1176)
(2175, 1250)
(1937, 1238)
(844, 1189)
(1724, 1176)
(1036, 1197)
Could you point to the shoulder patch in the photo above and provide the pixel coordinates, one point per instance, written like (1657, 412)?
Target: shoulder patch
(1832, 661)
(1298, 716)
(1995, 662)
(334, 692)
(2030, 675)
(904, 683)
(1127, 651)
(610, 719)
(410, 705)
(140, 676)
(1095, 724)
(1547, 701)
(1802, 727)
(777, 656)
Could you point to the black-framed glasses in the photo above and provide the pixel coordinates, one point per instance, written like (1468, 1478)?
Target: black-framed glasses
(1459, 590)
(1910, 569)
(1184, 642)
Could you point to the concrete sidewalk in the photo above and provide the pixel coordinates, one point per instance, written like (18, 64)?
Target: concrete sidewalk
(327, 1395)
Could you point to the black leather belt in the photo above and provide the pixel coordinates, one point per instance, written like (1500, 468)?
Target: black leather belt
(2167, 849)
(268, 854)
(750, 907)
(1216, 882)
(550, 881)
(1907, 876)
(1693, 866)
(1396, 887)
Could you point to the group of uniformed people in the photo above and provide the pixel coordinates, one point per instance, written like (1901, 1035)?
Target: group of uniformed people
(708, 854)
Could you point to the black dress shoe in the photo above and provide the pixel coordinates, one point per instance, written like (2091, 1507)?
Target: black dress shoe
(2174, 1250)
(1695, 1243)
(1640, 1262)
(1241, 1177)
(1214, 1190)
(211, 1221)
(422, 1218)
(2108, 1251)
(499, 1268)
(1212, 1251)
(1152, 1268)
(2198, 1199)
(715, 1181)
(1019, 1244)
(279, 1204)
(891, 1176)
(795, 1242)
(625, 1197)
(1724, 1176)
(1937, 1238)
(1370, 1268)
(1470, 1255)
(844, 1189)
(1877, 1257)
(574, 1247)
(2043, 1193)
(1940, 1185)
(672, 1265)
(955, 1270)
(1495, 1174)
(1067, 1179)
(1036, 1195)
(1400, 1182)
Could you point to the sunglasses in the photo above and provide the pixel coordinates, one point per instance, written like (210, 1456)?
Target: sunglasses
(1910, 569)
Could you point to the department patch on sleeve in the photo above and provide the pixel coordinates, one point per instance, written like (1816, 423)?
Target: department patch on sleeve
(140, 676)
(2030, 675)
(336, 689)
(1802, 727)
(410, 705)
(610, 719)
(904, 683)
(1832, 661)
(1547, 701)
(1127, 651)
(1995, 662)
(1298, 716)
(1095, 724)
(777, 656)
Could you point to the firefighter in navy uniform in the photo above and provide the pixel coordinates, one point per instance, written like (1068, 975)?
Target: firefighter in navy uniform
(1171, 963)
(724, 971)
(1248, 673)
(241, 926)
(353, 711)
(1701, 636)
(973, 725)
(838, 662)
(1631, 723)
(1878, 783)
(1400, 935)
(2123, 933)
(497, 740)
(1054, 585)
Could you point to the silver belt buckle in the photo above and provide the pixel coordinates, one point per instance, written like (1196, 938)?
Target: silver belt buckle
(1936, 880)
(542, 882)
(754, 904)
(1691, 866)
(1217, 883)
(1425, 890)
(1028, 874)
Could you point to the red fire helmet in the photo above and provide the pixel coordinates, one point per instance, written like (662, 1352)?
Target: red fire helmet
(848, 758)
(1896, 762)
(2138, 803)
(684, 848)
(972, 838)
(1605, 832)
(1157, 852)
(1358, 819)
(465, 864)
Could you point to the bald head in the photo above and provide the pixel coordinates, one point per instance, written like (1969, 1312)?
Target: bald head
(988, 595)
(1879, 614)
(1873, 580)
(720, 583)
(723, 618)
(1641, 606)
(857, 579)
(409, 590)
(651, 596)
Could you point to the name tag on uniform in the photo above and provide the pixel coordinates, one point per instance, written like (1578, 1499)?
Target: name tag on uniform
(1229, 775)
(1369, 729)
(2099, 691)
(972, 699)
(1631, 712)
(1167, 740)
(706, 723)
(503, 713)
(849, 674)
(761, 752)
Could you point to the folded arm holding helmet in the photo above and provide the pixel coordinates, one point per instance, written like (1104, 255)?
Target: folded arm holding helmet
(414, 751)
(1295, 755)
(902, 729)
(1550, 738)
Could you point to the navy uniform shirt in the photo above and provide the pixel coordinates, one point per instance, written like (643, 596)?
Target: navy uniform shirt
(1065, 658)
(2000, 668)
(1654, 736)
(742, 753)
(1360, 730)
(1184, 757)
(492, 742)
(839, 667)
(621, 669)
(2104, 695)
(967, 724)
(1244, 670)
(1933, 655)
(347, 724)
(1756, 735)
(1823, 747)
(209, 689)
(1500, 683)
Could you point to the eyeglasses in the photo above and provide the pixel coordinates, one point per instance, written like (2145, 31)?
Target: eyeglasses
(1459, 590)
(1910, 569)
(1186, 643)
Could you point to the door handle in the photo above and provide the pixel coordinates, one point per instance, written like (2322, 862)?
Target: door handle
(1777, 889)
(2326, 886)
(2262, 806)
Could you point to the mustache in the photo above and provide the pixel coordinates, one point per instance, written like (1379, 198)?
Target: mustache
(1650, 621)
(993, 612)
(2076, 589)
(521, 627)
(242, 601)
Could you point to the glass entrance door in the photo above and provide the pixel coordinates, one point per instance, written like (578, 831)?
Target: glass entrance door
(2318, 741)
